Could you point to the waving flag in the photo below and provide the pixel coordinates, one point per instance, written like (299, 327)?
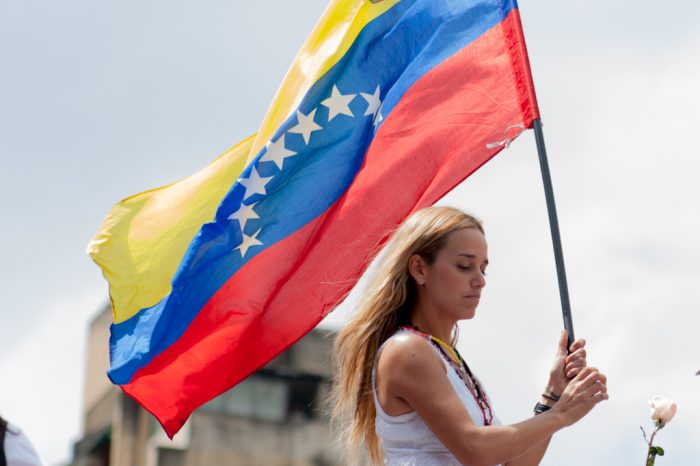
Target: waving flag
(388, 106)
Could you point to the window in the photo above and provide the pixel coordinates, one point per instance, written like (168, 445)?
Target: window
(303, 399)
(261, 398)
(171, 457)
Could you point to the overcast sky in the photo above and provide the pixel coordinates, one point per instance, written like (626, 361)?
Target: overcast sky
(101, 100)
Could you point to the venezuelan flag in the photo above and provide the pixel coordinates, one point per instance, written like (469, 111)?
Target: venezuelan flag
(388, 105)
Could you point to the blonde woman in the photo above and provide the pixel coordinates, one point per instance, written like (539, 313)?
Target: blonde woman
(408, 395)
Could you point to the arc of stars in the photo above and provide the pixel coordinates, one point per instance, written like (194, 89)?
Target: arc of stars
(277, 152)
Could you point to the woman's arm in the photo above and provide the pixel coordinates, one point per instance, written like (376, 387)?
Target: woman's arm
(567, 364)
(533, 456)
(410, 371)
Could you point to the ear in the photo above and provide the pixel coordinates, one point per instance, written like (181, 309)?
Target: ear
(417, 268)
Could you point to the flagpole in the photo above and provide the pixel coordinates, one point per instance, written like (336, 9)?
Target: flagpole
(554, 226)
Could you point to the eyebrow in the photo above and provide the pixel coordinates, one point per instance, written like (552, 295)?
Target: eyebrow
(471, 256)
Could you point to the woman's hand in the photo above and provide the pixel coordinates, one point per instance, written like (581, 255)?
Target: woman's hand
(587, 389)
(566, 366)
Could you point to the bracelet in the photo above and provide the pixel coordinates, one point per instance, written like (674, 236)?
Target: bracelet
(541, 408)
(551, 396)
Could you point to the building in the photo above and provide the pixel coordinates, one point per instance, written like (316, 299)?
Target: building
(276, 417)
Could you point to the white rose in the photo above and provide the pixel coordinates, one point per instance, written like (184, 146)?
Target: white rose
(662, 409)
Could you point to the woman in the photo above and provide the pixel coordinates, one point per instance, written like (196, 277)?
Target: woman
(410, 397)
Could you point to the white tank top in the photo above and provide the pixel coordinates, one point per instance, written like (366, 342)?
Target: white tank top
(406, 440)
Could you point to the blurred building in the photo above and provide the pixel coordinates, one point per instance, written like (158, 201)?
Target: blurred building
(276, 416)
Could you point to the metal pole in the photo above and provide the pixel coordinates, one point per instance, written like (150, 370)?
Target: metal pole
(554, 226)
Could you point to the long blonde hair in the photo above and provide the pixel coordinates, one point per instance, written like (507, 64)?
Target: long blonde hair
(386, 305)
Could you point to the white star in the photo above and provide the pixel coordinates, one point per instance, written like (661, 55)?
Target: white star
(248, 242)
(378, 118)
(372, 101)
(254, 184)
(338, 104)
(243, 214)
(276, 152)
(306, 125)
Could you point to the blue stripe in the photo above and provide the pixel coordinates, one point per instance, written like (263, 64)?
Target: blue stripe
(392, 51)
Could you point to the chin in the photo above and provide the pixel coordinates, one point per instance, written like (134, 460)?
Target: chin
(467, 315)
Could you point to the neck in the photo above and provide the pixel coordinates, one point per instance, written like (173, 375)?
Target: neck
(432, 324)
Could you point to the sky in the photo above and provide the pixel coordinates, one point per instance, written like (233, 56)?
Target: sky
(101, 100)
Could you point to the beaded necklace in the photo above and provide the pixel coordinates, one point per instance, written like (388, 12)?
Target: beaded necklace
(456, 361)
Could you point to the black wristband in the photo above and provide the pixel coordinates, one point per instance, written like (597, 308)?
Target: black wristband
(551, 396)
(541, 408)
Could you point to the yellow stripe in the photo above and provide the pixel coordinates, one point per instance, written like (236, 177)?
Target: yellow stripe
(144, 237)
(330, 39)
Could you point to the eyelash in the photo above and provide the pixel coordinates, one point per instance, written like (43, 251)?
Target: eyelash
(467, 268)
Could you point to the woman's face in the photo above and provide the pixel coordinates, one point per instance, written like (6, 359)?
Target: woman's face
(454, 281)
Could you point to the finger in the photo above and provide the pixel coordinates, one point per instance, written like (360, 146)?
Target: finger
(563, 339)
(599, 382)
(578, 354)
(597, 377)
(590, 392)
(595, 389)
(578, 364)
(577, 361)
(588, 376)
(580, 343)
(574, 365)
(578, 380)
(604, 379)
(572, 373)
(585, 372)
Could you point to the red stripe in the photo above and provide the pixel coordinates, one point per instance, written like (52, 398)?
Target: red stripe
(522, 75)
(434, 138)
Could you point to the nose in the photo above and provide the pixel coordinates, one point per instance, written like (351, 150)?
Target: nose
(479, 280)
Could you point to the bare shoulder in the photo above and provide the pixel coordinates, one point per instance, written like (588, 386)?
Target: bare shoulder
(407, 358)
(413, 376)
